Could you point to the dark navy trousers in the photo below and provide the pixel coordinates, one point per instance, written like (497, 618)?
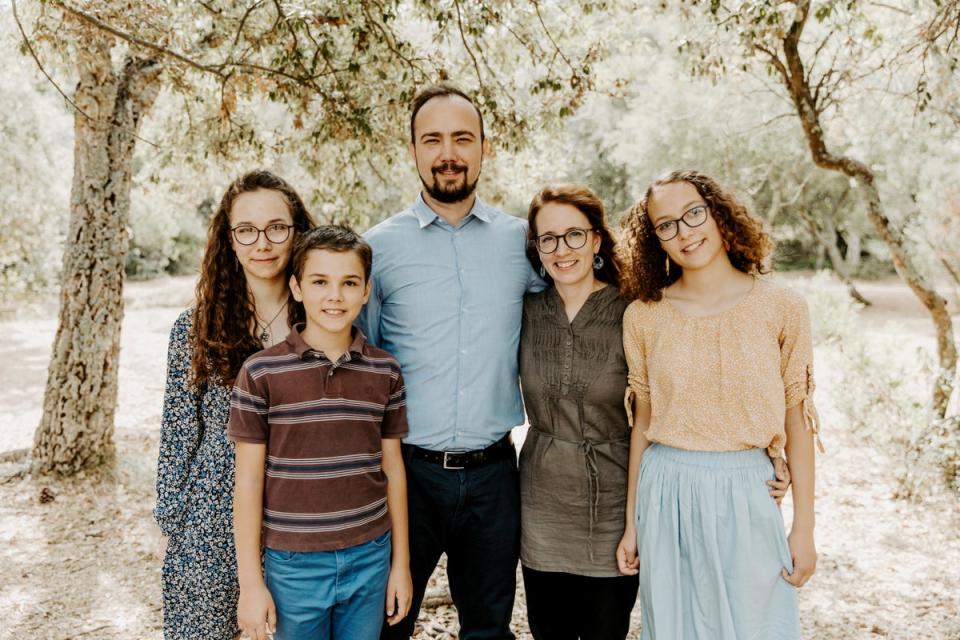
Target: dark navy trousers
(474, 516)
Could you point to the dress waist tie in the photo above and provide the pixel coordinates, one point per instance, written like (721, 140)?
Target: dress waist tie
(587, 448)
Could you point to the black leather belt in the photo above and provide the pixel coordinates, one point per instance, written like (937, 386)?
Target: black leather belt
(456, 460)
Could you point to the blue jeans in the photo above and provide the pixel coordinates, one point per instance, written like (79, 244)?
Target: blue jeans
(330, 594)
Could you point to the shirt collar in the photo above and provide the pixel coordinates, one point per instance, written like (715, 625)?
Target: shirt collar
(300, 347)
(426, 215)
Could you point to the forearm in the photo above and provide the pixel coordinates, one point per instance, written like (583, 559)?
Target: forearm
(178, 440)
(248, 513)
(638, 444)
(801, 462)
(180, 433)
(396, 501)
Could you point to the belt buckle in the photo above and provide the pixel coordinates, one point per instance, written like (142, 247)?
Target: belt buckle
(446, 463)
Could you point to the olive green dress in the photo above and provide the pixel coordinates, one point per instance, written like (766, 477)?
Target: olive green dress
(573, 465)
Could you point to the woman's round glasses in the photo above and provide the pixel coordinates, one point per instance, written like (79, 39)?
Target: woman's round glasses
(574, 238)
(668, 229)
(247, 234)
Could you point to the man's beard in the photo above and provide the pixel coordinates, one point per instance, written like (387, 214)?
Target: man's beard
(455, 192)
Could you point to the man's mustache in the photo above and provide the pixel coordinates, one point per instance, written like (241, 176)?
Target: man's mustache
(448, 166)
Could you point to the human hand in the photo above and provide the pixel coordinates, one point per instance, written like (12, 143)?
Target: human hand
(804, 554)
(627, 560)
(256, 612)
(399, 593)
(778, 487)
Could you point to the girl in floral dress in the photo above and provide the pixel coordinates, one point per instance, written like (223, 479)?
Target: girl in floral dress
(243, 304)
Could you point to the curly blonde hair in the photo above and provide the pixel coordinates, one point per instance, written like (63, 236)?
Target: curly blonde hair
(646, 274)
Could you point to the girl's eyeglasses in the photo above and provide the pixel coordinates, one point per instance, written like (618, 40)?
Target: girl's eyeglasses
(668, 229)
(247, 234)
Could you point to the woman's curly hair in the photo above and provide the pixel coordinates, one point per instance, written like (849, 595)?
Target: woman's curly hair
(646, 274)
(222, 336)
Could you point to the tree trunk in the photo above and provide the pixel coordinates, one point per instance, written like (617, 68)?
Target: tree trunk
(827, 245)
(76, 430)
(840, 266)
(852, 259)
(797, 82)
(774, 207)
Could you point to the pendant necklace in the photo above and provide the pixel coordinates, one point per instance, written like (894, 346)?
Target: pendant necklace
(265, 334)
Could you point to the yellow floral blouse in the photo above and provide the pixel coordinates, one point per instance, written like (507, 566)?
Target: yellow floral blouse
(722, 382)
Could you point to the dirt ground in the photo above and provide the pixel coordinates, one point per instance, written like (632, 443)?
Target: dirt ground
(77, 557)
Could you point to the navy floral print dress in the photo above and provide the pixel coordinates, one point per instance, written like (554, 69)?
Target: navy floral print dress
(195, 502)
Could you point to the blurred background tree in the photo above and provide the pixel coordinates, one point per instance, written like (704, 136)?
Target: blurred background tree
(606, 93)
(830, 60)
(334, 82)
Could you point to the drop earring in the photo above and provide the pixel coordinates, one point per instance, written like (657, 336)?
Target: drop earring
(597, 262)
(668, 267)
(543, 272)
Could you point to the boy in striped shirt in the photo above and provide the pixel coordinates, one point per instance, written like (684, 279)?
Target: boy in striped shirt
(317, 421)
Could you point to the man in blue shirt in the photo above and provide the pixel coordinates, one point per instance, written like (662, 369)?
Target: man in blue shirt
(449, 275)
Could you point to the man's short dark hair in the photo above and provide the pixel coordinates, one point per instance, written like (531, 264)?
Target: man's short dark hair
(438, 91)
(330, 237)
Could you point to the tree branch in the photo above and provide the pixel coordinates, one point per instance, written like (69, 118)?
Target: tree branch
(243, 22)
(466, 45)
(33, 54)
(391, 42)
(214, 69)
(775, 61)
(76, 107)
(536, 7)
(135, 40)
(207, 6)
(823, 43)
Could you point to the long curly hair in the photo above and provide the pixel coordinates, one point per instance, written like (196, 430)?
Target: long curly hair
(222, 336)
(748, 244)
(587, 202)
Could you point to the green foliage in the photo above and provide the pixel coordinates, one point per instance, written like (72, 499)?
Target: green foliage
(34, 192)
(328, 86)
(876, 382)
(794, 254)
(834, 316)
(320, 93)
(863, 64)
(661, 119)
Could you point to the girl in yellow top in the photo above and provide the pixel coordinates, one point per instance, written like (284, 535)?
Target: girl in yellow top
(720, 381)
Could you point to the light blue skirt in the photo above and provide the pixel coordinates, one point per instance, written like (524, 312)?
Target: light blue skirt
(711, 545)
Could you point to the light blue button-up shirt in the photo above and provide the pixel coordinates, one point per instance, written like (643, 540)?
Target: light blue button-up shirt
(447, 302)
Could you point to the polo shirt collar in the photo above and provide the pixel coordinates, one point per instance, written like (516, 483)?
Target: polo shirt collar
(426, 215)
(359, 342)
(300, 347)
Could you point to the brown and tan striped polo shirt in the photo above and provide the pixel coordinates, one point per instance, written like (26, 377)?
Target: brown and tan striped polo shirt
(322, 423)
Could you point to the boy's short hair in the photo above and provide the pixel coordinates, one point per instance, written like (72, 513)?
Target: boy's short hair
(330, 237)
